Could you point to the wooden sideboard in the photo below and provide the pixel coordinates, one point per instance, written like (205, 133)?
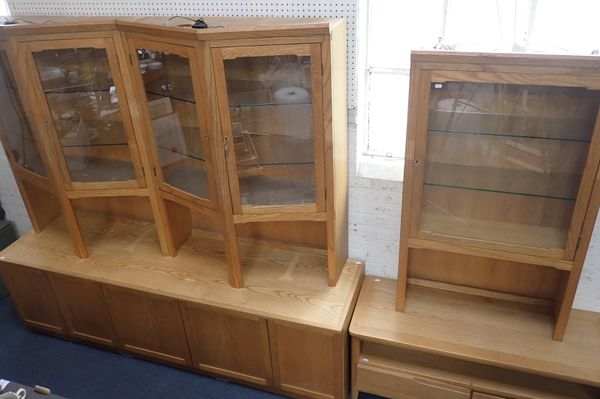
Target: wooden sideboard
(452, 345)
(285, 331)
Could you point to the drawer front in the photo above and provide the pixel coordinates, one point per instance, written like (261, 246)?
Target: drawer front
(398, 385)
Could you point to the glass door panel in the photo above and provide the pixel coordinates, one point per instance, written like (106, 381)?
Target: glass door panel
(83, 100)
(504, 162)
(15, 124)
(270, 101)
(169, 88)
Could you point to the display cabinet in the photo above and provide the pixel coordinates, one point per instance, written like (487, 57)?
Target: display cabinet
(23, 154)
(238, 130)
(501, 164)
(87, 116)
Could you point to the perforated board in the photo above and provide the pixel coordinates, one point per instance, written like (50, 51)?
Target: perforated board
(216, 8)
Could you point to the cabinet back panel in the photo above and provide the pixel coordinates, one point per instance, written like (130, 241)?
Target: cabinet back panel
(486, 273)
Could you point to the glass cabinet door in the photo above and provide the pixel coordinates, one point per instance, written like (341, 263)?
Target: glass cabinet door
(274, 126)
(180, 139)
(504, 162)
(88, 115)
(15, 125)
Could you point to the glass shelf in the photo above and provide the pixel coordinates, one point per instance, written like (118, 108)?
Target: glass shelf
(504, 162)
(15, 124)
(493, 231)
(272, 191)
(270, 104)
(562, 186)
(514, 135)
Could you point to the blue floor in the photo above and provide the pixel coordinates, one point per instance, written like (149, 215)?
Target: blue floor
(79, 371)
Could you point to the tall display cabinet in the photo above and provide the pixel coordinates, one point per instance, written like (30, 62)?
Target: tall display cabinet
(189, 128)
(501, 182)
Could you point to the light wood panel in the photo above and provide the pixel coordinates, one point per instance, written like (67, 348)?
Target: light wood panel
(148, 325)
(304, 362)
(486, 273)
(84, 309)
(36, 302)
(230, 344)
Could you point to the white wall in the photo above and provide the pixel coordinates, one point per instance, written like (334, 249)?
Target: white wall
(374, 220)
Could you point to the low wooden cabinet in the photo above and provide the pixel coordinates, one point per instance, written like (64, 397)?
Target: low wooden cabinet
(435, 350)
(227, 343)
(287, 334)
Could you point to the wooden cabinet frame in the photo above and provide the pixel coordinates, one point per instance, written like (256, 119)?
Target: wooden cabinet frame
(526, 260)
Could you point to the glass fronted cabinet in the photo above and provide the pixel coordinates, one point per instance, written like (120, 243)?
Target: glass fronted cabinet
(172, 96)
(270, 99)
(500, 190)
(19, 142)
(82, 92)
(504, 162)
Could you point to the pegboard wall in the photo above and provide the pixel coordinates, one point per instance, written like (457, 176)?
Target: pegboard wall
(215, 8)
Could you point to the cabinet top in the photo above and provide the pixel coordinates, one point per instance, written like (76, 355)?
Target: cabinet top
(441, 57)
(280, 281)
(179, 26)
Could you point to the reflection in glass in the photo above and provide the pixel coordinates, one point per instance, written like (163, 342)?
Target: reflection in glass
(15, 123)
(270, 105)
(504, 162)
(83, 100)
(172, 106)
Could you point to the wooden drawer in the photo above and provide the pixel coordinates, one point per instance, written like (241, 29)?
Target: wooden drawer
(396, 384)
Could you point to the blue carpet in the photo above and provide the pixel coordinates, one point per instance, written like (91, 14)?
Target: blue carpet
(84, 372)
